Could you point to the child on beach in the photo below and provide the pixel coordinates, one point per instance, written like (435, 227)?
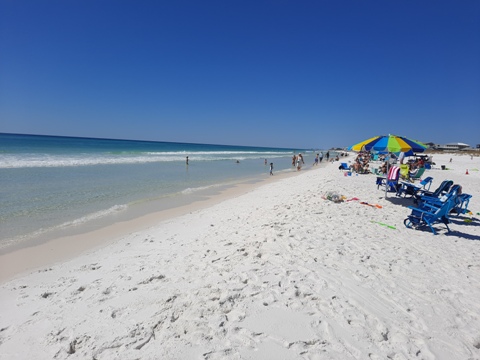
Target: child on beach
(271, 168)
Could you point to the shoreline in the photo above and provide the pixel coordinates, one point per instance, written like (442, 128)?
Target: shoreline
(18, 259)
(278, 271)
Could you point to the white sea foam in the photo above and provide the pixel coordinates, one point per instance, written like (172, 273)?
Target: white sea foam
(46, 160)
(220, 153)
(193, 190)
(94, 216)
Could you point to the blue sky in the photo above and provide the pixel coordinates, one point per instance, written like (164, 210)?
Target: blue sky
(300, 74)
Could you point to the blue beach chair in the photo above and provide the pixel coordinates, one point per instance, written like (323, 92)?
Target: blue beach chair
(409, 189)
(461, 201)
(391, 181)
(429, 213)
(437, 202)
(461, 206)
(344, 166)
(440, 191)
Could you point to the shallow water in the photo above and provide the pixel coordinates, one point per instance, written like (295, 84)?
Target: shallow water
(51, 183)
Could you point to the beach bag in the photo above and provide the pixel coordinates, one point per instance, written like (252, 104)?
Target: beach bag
(334, 196)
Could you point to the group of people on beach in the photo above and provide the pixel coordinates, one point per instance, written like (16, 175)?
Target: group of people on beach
(298, 161)
(361, 163)
(319, 158)
(413, 166)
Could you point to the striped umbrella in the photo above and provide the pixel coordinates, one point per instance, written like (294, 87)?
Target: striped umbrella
(390, 143)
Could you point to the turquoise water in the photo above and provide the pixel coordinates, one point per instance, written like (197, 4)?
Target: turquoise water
(49, 183)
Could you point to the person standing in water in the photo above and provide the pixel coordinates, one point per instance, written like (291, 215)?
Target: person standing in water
(187, 160)
(271, 168)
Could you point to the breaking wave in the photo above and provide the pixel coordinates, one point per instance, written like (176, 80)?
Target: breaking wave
(48, 160)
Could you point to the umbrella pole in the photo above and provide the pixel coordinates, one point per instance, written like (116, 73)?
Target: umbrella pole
(386, 177)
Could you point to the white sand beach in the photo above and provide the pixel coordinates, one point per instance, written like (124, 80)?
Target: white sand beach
(276, 273)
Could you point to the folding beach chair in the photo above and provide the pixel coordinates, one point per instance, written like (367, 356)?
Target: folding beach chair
(461, 200)
(391, 181)
(444, 187)
(438, 201)
(430, 213)
(409, 189)
(418, 174)
(461, 206)
(344, 166)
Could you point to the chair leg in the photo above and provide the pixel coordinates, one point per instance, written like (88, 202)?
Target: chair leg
(431, 227)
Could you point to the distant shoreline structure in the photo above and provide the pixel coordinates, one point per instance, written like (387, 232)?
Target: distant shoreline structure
(453, 147)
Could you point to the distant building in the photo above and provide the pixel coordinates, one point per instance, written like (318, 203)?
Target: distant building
(431, 145)
(453, 146)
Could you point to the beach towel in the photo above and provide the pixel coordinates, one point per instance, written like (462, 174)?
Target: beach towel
(404, 171)
(393, 173)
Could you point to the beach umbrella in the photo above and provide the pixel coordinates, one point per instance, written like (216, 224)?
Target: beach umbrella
(391, 144)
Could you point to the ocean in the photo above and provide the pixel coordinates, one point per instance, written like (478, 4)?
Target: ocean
(51, 185)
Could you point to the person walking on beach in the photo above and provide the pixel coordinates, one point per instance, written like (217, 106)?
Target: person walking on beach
(187, 160)
(316, 160)
(328, 155)
(321, 156)
(271, 168)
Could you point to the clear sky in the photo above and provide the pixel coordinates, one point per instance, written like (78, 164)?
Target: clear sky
(300, 74)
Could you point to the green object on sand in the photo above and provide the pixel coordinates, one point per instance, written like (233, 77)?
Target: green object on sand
(389, 226)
